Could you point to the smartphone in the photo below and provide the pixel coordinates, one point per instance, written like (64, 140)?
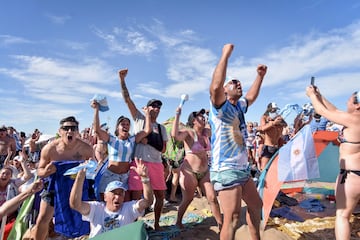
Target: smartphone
(312, 82)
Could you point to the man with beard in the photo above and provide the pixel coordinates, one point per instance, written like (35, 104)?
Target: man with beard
(66, 148)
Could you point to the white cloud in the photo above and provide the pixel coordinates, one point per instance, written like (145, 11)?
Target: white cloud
(10, 40)
(61, 20)
(127, 42)
(60, 81)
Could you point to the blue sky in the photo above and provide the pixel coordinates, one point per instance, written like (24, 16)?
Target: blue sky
(55, 55)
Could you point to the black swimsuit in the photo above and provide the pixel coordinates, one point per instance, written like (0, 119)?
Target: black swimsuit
(345, 173)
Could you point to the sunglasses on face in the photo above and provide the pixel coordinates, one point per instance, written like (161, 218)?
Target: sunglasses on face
(72, 128)
(155, 105)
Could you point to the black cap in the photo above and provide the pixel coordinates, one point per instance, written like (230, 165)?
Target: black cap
(120, 119)
(193, 115)
(152, 101)
(3, 128)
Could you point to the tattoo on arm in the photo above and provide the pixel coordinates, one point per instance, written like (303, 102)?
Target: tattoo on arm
(125, 91)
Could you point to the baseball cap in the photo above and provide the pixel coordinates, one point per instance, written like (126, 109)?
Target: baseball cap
(120, 119)
(17, 158)
(274, 105)
(115, 185)
(193, 115)
(152, 101)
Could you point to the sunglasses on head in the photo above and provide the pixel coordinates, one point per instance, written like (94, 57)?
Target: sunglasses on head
(356, 100)
(67, 128)
(234, 81)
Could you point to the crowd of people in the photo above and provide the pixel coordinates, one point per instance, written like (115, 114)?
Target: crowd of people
(216, 153)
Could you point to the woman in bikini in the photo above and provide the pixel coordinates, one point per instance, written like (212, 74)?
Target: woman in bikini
(347, 190)
(194, 171)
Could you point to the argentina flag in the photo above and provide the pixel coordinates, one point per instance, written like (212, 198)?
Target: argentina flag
(297, 159)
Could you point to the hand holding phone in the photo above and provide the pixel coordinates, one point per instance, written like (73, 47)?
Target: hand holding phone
(312, 82)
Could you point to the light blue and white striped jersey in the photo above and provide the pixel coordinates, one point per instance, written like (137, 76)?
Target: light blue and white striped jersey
(121, 150)
(229, 134)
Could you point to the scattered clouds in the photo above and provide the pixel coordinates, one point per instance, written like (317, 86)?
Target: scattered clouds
(6, 40)
(126, 42)
(58, 82)
(60, 20)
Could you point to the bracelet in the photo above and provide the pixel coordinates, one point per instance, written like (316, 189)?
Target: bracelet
(177, 113)
(145, 179)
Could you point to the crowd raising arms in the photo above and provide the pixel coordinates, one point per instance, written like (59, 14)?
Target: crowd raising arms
(194, 170)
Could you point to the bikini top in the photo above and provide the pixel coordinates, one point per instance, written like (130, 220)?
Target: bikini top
(342, 139)
(197, 147)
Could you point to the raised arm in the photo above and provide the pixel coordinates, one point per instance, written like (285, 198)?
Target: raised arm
(217, 93)
(101, 134)
(254, 90)
(27, 173)
(175, 133)
(147, 129)
(328, 110)
(75, 199)
(13, 204)
(142, 171)
(125, 93)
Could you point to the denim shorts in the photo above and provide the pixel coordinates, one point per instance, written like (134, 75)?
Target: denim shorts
(229, 178)
(48, 197)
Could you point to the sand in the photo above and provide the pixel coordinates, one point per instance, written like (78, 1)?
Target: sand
(317, 225)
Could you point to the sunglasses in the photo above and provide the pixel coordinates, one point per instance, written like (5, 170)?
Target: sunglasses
(72, 128)
(356, 100)
(235, 82)
(155, 105)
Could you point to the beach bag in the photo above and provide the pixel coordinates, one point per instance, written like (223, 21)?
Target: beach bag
(155, 140)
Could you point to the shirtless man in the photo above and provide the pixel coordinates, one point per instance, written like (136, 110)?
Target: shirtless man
(347, 191)
(272, 125)
(7, 145)
(67, 147)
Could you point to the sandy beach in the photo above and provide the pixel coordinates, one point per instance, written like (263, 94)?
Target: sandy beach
(201, 225)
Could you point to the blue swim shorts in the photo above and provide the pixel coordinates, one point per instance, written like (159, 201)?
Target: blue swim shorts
(229, 178)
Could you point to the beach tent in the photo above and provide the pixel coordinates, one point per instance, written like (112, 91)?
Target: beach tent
(326, 150)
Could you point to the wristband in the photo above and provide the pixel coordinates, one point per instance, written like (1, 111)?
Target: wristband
(145, 179)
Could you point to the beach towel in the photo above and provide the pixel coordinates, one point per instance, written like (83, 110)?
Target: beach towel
(68, 222)
(312, 205)
(285, 212)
